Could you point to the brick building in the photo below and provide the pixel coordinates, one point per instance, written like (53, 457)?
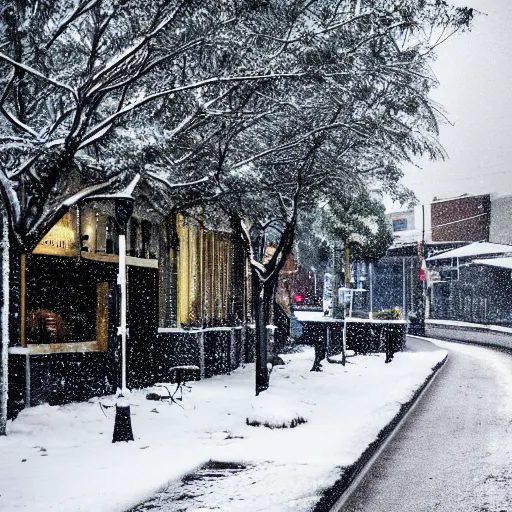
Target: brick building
(461, 219)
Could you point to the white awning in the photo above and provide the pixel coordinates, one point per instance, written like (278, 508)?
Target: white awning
(474, 249)
(496, 262)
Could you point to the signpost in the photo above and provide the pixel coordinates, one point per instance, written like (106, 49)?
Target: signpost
(347, 292)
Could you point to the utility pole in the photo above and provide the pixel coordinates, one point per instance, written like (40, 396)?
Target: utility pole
(347, 265)
(335, 282)
(371, 289)
(404, 298)
(423, 271)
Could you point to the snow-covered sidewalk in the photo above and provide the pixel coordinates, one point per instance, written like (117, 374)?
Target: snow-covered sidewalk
(62, 458)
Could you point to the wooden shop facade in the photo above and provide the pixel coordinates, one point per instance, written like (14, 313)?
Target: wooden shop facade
(188, 303)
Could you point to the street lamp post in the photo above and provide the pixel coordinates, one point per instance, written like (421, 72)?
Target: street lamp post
(123, 209)
(123, 202)
(123, 425)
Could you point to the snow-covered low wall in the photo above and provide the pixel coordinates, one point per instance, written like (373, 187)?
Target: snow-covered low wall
(214, 350)
(364, 336)
(370, 336)
(58, 378)
(464, 331)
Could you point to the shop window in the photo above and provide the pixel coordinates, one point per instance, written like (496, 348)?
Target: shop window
(153, 243)
(61, 239)
(141, 242)
(65, 303)
(106, 235)
(399, 224)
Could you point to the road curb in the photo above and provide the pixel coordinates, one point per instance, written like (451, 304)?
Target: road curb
(336, 496)
(494, 346)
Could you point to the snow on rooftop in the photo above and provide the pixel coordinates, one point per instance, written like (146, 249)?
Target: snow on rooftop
(474, 249)
(496, 262)
(410, 236)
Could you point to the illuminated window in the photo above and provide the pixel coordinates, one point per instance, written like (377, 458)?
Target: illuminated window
(66, 302)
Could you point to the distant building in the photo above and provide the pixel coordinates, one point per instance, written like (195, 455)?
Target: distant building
(396, 279)
(461, 219)
(461, 265)
(471, 284)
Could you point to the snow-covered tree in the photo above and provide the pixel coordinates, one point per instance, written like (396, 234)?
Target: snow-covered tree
(358, 117)
(75, 76)
(73, 72)
(79, 80)
(358, 222)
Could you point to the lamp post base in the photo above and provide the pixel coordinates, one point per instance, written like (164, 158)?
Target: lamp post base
(123, 423)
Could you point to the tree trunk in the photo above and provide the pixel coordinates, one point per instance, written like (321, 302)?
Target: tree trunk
(263, 299)
(269, 298)
(4, 383)
(347, 265)
(264, 286)
(262, 380)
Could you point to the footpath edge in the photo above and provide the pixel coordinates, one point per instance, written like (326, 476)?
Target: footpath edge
(333, 498)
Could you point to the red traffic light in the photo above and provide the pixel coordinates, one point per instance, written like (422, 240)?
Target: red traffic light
(299, 299)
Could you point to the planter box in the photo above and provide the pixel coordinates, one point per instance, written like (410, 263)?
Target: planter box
(364, 336)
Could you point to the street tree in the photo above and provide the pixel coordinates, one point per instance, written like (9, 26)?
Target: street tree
(358, 223)
(360, 116)
(74, 74)
(345, 75)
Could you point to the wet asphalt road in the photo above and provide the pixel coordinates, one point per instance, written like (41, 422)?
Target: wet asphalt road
(454, 451)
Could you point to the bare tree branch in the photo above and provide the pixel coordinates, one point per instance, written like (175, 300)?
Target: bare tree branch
(173, 186)
(36, 73)
(81, 9)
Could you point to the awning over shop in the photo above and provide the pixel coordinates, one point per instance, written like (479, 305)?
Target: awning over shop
(496, 262)
(474, 249)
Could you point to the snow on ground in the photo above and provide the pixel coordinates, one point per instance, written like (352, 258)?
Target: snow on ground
(62, 458)
(314, 316)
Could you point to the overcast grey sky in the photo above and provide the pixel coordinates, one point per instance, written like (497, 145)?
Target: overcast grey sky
(475, 74)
